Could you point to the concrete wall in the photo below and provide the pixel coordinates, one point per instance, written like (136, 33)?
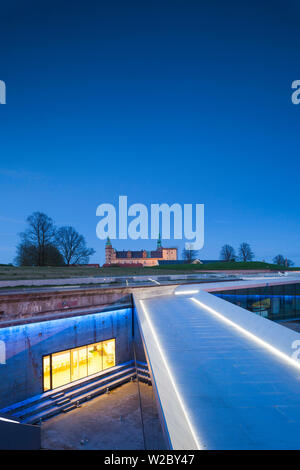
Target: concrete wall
(14, 307)
(21, 376)
(138, 343)
(16, 436)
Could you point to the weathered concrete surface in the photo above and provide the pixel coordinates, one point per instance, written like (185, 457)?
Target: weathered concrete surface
(25, 346)
(26, 307)
(110, 421)
(15, 307)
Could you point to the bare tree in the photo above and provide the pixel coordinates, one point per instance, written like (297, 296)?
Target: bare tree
(245, 252)
(289, 262)
(38, 236)
(282, 261)
(72, 246)
(227, 253)
(279, 259)
(189, 254)
(28, 255)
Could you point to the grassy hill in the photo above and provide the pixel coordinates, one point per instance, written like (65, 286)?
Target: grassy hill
(222, 265)
(47, 272)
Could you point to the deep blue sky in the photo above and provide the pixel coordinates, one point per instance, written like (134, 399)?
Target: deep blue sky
(164, 101)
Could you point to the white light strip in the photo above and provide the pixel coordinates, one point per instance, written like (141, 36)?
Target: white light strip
(170, 375)
(185, 292)
(153, 280)
(255, 338)
(9, 420)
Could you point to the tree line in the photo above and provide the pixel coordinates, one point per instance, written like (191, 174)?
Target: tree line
(44, 244)
(244, 254)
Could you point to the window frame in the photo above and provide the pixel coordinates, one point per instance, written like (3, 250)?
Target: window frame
(69, 350)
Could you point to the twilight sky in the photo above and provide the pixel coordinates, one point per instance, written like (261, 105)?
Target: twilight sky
(163, 101)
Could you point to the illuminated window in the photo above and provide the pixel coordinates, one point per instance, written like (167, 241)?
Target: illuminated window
(78, 363)
(95, 358)
(46, 372)
(108, 353)
(61, 369)
(64, 367)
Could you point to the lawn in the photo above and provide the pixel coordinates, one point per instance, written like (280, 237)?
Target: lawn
(228, 265)
(19, 273)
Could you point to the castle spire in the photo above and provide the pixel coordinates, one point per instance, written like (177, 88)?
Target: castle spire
(159, 241)
(108, 242)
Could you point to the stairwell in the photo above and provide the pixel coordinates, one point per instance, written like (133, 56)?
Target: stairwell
(36, 409)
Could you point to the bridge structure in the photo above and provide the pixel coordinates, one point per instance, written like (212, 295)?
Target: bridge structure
(224, 377)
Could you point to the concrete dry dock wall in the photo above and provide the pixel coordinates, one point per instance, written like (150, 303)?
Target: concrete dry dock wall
(22, 306)
(26, 344)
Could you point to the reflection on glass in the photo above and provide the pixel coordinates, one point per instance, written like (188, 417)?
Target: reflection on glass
(273, 302)
(78, 363)
(60, 369)
(95, 358)
(46, 369)
(108, 353)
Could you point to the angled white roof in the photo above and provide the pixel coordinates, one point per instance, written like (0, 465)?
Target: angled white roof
(225, 377)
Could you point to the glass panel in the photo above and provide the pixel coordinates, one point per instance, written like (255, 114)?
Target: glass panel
(108, 353)
(60, 369)
(94, 358)
(297, 305)
(78, 363)
(288, 310)
(273, 302)
(46, 371)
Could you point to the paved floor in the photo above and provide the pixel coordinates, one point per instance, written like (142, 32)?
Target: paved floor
(110, 421)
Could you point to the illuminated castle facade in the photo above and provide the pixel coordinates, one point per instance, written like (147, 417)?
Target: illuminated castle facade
(138, 258)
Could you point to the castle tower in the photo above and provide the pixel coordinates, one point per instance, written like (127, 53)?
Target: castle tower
(158, 246)
(109, 252)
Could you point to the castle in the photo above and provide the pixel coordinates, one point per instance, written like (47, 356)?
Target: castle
(138, 258)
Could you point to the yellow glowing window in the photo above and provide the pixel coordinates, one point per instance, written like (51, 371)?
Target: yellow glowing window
(46, 371)
(108, 353)
(61, 370)
(94, 358)
(78, 363)
(64, 367)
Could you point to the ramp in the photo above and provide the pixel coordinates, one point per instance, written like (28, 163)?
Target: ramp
(224, 377)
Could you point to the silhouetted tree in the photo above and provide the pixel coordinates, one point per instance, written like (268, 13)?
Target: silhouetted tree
(28, 255)
(36, 238)
(227, 253)
(282, 261)
(72, 246)
(189, 255)
(279, 259)
(245, 252)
